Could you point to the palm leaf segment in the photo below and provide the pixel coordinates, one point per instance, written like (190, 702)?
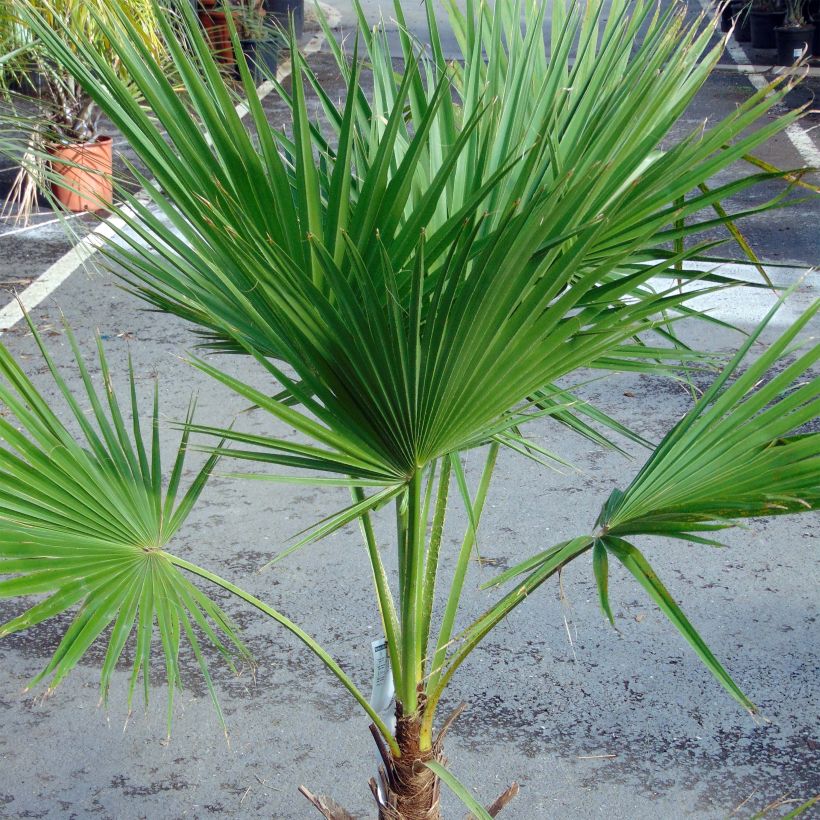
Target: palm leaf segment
(736, 454)
(425, 274)
(84, 523)
(739, 453)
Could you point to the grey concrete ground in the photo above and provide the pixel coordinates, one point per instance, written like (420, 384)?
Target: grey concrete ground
(623, 725)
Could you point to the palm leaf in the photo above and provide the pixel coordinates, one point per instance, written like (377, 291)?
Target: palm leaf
(739, 453)
(412, 272)
(635, 562)
(459, 789)
(84, 522)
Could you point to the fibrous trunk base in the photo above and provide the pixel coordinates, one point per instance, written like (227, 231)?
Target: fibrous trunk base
(406, 788)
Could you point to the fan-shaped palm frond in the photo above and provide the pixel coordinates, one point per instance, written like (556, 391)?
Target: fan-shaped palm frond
(416, 274)
(84, 522)
(409, 347)
(738, 453)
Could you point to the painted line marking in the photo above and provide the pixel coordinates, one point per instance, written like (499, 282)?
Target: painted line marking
(799, 137)
(746, 306)
(57, 273)
(751, 68)
(35, 225)
(48, 281)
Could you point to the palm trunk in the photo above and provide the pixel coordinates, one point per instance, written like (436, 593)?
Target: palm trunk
(407, 789)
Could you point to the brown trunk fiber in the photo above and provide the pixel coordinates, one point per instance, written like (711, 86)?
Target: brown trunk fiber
(406, 788)
(409, 790)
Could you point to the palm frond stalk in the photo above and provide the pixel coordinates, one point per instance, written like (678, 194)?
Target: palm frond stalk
(414, 276)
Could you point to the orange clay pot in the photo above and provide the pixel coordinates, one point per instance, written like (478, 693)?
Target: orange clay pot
(218, 35)
(86, 170)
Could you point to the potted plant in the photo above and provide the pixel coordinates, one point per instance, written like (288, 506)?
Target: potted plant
(64, 153)
(814, 17)
(213, 16)
(795, 37)
(765, 16)
(726, 17)
(14, 46)
(260, 39)
(408, 294)
(66, 150)
(741, 20)
(286, 11)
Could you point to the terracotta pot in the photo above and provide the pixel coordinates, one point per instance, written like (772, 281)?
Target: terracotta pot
(88, 176)
(215, 24)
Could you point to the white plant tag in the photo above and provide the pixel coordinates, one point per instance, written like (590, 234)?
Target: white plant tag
(382, 691)
(797, 53)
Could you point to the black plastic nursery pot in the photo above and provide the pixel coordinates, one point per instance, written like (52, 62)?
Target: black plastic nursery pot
(743, 27)
(763, 24)
(284, 10)
(792, 43)
(262, 57)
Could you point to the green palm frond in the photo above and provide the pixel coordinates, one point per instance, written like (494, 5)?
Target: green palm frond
(739, 453)
(415, 274)
(84, 523)
(502, 149)
(321, 264)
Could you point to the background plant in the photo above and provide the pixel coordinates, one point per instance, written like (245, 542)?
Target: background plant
(51, 106)
(416, 274)
(796, 11)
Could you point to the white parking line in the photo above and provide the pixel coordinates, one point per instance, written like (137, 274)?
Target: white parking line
(799, 137)
(749, 68)
(48, 281)
(35, 225)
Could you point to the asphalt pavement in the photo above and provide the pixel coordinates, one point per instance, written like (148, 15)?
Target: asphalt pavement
(591, 722)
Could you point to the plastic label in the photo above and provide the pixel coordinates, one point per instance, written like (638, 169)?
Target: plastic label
(381, 693)
(382, 690)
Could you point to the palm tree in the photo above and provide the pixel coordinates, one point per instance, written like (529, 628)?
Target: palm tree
(413, 276)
